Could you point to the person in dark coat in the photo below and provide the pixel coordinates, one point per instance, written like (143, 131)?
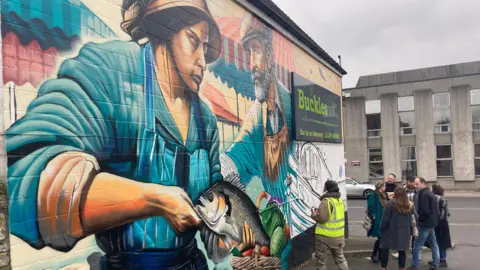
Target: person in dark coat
(442, 231)
(396, 227)
(427, 209)
(375, 205)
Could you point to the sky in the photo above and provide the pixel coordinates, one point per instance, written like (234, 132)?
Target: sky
(378, 36)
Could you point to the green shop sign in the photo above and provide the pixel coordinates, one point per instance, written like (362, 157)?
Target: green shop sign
(317, 112)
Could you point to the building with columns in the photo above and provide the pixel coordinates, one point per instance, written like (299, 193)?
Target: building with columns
(423, 122)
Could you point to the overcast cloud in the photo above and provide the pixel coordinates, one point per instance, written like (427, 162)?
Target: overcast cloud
(378, 36)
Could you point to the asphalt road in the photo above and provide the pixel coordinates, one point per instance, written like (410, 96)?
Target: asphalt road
(464, 229)
(464, 211)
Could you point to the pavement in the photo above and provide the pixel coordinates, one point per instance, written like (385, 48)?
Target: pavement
(464, 230)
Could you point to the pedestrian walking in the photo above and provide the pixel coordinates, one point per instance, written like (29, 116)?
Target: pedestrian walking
(396, 228)
(330, 230)
(375, 204)
(427, 209)
(442, 231)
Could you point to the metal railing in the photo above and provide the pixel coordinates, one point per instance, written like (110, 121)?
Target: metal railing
(374, 133)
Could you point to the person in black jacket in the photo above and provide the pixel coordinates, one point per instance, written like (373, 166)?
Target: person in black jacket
(427, 209)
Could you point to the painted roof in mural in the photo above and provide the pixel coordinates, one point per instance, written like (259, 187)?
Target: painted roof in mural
(53, 23)
(36, 30)
(219, 105)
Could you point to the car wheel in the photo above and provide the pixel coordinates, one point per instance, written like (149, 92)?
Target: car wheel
(367, 192)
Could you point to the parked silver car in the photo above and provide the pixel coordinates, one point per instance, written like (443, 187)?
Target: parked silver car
(357, 190)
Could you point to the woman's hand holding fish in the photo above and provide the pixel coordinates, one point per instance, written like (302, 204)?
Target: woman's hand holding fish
(174, 205)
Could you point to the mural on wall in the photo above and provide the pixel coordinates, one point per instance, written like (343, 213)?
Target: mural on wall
(167, 145)
(317, 163)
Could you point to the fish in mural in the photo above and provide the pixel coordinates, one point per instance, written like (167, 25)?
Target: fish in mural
(225, 209)
(233, 224)
(231, 221)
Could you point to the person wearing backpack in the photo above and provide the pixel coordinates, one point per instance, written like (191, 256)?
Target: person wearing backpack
(375, 205)
(442, 231)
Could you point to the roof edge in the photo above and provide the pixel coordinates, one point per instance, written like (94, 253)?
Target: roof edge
(430, 73)
(272, 10)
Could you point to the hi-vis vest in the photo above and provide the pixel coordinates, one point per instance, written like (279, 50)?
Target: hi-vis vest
(335, 226)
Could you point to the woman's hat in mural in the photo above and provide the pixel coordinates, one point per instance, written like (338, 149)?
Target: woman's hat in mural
(252, 27)
(161, 19)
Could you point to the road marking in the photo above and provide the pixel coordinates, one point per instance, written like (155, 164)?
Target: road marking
(358, 222)
(450, 208)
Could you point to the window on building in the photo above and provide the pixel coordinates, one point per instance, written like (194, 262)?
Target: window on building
(475, 103)
(372, 106)
(375, 163)
(406, 104)
(409, 161)
(441, 112)
(444, 160)
(406, 113)
(374, 125)
(407, 123)
(477, 159)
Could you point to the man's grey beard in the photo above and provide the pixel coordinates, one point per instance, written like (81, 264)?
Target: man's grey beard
(262, 81)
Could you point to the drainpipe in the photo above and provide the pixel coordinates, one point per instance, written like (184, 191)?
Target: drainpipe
(13, 104)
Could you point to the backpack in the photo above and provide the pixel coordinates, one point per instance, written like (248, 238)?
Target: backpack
(443, 212)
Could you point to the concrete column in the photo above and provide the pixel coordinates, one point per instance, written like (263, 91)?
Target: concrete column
(463, 151)
(390, 134)
(426, 153)
(356, 138)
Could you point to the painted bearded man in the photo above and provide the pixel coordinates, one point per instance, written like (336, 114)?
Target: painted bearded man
(262, 147)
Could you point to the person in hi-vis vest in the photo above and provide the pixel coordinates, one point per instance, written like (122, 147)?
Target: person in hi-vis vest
(330, 229)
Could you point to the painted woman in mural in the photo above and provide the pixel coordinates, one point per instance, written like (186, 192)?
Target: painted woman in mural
(104, 150)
